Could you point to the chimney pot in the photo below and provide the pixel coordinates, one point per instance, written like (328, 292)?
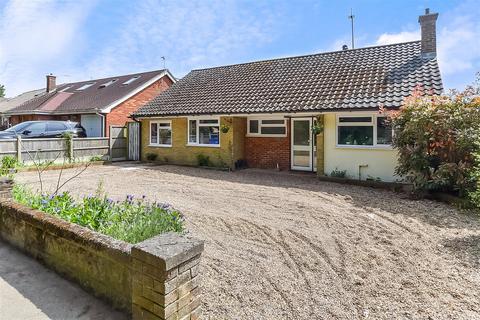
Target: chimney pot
(429, 33)
(51, 83)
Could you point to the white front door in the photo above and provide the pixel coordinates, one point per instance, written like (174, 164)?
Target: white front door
(302, 144)
(92, 124)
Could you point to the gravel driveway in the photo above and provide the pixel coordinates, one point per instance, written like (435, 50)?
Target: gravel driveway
(288, 246)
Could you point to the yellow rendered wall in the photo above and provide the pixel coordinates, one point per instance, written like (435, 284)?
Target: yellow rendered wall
(381, 162)
(182, 154)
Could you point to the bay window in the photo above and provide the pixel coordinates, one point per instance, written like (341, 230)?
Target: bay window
(267, 127)
(161, 133)
(204, 132)
(368, 131)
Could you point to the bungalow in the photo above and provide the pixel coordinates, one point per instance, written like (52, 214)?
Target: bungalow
(96, 103)
(317, 112)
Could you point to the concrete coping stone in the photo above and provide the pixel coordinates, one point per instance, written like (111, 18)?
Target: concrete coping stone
(168, 250)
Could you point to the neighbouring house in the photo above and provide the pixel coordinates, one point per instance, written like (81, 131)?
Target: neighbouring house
(268, 113)
(7, 104)
(96, 104)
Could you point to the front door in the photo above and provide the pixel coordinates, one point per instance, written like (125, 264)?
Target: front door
(302, 144)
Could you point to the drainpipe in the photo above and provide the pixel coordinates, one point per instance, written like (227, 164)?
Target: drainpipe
(360, 166)
(104, 130)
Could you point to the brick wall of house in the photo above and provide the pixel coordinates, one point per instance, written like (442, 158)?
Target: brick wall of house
(119, 114)
(33, 117)
(266, 152)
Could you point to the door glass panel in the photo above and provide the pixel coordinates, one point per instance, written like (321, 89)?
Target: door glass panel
(301, 132)
(301, 158)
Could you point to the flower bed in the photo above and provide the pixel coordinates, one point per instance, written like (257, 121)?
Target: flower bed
(131, 220)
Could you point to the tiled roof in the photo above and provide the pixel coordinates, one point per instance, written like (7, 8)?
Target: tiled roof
(66, 98)
(350, 79)
(7, 104)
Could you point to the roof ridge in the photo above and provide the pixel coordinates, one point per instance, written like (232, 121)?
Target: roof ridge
(112, 77)
(307, 55)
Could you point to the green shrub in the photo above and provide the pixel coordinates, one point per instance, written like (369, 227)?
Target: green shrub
(338, 173)
(203, 160)
(96, 158)
(8, 163)
(131, 220)
(435, 136)
(151, 156)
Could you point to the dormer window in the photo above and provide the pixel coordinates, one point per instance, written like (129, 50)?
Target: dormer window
(106, 84)
(130, 80)
(86, 86)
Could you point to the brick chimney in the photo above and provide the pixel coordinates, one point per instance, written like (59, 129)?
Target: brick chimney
(51, 82)
(429, 33)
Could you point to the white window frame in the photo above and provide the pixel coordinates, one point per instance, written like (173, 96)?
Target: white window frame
(198, 125)
(158, 144)
(260, 125)
(372, 123)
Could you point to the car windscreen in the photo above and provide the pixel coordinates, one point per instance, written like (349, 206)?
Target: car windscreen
(18, 127)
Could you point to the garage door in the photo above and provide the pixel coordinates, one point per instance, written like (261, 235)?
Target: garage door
(92, 124)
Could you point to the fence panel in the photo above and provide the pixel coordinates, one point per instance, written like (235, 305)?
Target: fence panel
(118, 143)
(57, 149)
(134, 141)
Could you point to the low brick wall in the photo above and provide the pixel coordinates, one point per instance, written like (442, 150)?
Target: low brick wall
(154, 279)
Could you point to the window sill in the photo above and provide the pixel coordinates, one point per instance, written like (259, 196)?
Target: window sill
(203, 145)
(160, 145)
(377, 147)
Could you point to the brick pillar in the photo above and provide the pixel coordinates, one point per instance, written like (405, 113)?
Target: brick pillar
(6, 185)
(165, 278)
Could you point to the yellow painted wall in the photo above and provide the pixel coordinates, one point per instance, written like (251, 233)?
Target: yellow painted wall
(381, 161)
(182, 154)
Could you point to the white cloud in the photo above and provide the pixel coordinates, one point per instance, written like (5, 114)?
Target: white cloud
(404, 36)
(34, 36)
(191, 35)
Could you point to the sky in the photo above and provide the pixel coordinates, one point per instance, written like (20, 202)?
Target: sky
(87, 39)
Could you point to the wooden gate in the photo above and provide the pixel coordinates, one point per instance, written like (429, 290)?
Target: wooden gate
(134, 141)
(118, 143)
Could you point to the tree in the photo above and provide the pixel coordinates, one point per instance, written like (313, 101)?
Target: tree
(2, 91)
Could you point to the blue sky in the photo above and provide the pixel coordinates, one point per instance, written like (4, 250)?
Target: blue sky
(84, 39)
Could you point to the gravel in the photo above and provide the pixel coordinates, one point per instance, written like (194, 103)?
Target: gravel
(285, 245)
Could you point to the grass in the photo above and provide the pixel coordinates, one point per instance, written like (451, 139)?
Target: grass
(131, 220)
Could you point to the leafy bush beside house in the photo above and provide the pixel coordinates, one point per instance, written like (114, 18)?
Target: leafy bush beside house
(436, 139)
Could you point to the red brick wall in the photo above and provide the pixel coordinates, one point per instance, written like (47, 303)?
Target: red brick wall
(119, 114)
(266, 152)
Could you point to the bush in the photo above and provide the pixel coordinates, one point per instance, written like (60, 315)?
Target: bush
(338, 173)
(8, 163)
(435, 137)
(203, 160)
(128, 220)
(151, 156)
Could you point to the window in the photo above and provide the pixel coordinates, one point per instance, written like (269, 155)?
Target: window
(36, 128)
(204, 132)
(55, 126)
(65, 89)
(363, 131)
(86, 86)
(130, 80)
(267, 127)
(384, 131)
(161, 133)
(106, 84)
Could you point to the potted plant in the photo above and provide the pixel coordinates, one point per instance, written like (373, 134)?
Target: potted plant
(224, 128)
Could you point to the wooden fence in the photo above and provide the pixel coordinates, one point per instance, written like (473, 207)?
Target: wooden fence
(122, 144)
(57, 149)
